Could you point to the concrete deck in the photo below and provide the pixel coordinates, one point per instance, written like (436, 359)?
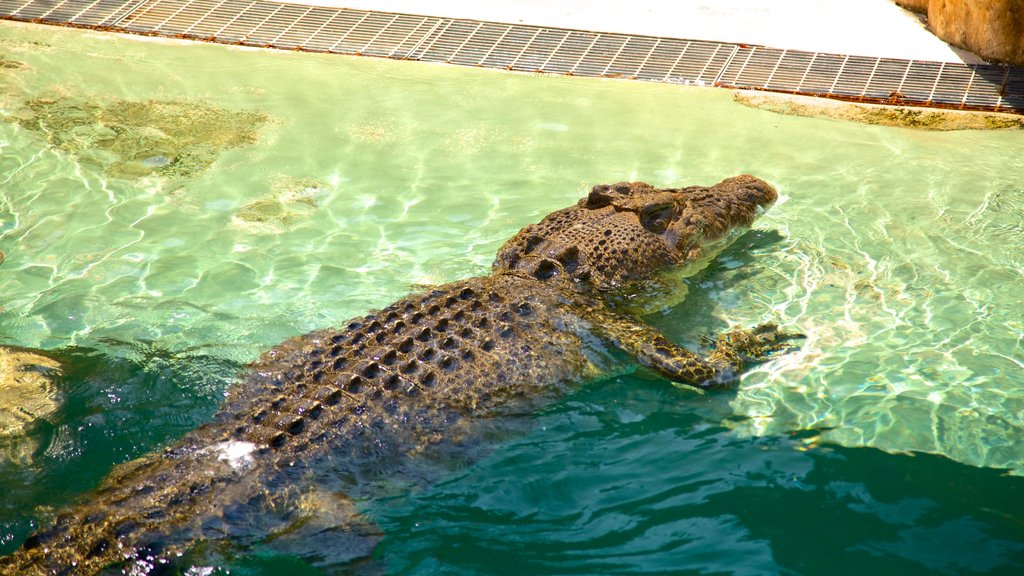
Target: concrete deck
(877, 53)
(863, 28)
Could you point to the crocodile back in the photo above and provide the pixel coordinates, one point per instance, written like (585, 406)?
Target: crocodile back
(336, 411)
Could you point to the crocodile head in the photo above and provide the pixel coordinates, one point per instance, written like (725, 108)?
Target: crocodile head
(628, 232)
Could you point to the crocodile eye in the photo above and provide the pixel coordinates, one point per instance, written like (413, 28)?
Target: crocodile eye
(599, 197)
(656, 218)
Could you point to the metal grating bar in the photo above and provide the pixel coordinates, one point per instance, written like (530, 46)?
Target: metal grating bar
(887, 78)
(662, 58)
(950, 83)
(679, 58)
(738, 65)
(291, 18)
(789, 72)
(127, 10)
(803, 75)
(647, 58)
(920, 80)
(217, 19)
(322, 34)
(11, 8)
(173, 12)
(508, 47)
(448, 42)
(430, 28)
(236, 30)
(600, 55)
(631, 58)
(570, 53)
(429, 38)
(693, 65)
(35, 10)
(538, 49)
(212, 7)
(424, 26)
(86, 5)
(363, 32)
(1013, 89)
(278, 21)
(103, 12)
(480, 44)
(774, 70)
(464, 41)
(838, 74)
(557, 49)
(752, 67)
(735, 49)
(383, 42)
(689, 63)
(867, 82)
(148, 16)
(903, 80)
(333, 31)
(515, 61)
(187, 16)
(970, 83)
(615, 56)
(699, 58)
(852, 81)
(66, 10)
(822, 74)
(986, 87)
(716, 65)
(931, 95)
(304, 28)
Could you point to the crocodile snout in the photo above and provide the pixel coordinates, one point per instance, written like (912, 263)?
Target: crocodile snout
(628, 231)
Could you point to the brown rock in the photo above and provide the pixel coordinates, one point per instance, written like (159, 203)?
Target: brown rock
(992, 29)
(29, 381)
(914, 5)
(28, 388)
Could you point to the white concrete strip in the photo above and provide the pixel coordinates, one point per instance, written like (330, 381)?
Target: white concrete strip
(860, 27)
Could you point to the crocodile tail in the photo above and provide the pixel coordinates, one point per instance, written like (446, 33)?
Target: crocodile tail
(73, 545)
(83, 540)
(145, 512)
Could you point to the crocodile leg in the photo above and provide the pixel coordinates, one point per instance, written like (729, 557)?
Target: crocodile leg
(326, 529)
(733, 351)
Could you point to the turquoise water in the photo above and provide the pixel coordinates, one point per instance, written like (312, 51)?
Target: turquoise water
(169, 210)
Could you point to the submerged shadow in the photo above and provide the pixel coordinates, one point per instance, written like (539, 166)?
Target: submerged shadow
(727, 273)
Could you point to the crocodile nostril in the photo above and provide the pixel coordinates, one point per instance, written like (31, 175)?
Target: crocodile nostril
(599, 197)
(531, 244)
(545, 269)
(570, 259)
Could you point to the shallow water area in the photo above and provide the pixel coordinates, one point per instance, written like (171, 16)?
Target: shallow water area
(882, 443)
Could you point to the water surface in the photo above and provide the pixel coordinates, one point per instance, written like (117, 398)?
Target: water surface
(169, 210)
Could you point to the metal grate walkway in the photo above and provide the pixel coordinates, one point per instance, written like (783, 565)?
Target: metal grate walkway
(541, 49)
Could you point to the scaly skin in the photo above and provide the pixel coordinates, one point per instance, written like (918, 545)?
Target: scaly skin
(335, 412)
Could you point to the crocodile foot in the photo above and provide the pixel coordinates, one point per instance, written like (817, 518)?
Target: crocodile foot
(756, 344)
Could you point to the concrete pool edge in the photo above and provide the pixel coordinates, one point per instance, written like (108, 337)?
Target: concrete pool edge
(917, 117)
(545, 50)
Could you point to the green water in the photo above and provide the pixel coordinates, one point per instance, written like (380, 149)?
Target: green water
(167, 211)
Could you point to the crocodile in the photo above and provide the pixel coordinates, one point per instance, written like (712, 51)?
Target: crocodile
(323, 420)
